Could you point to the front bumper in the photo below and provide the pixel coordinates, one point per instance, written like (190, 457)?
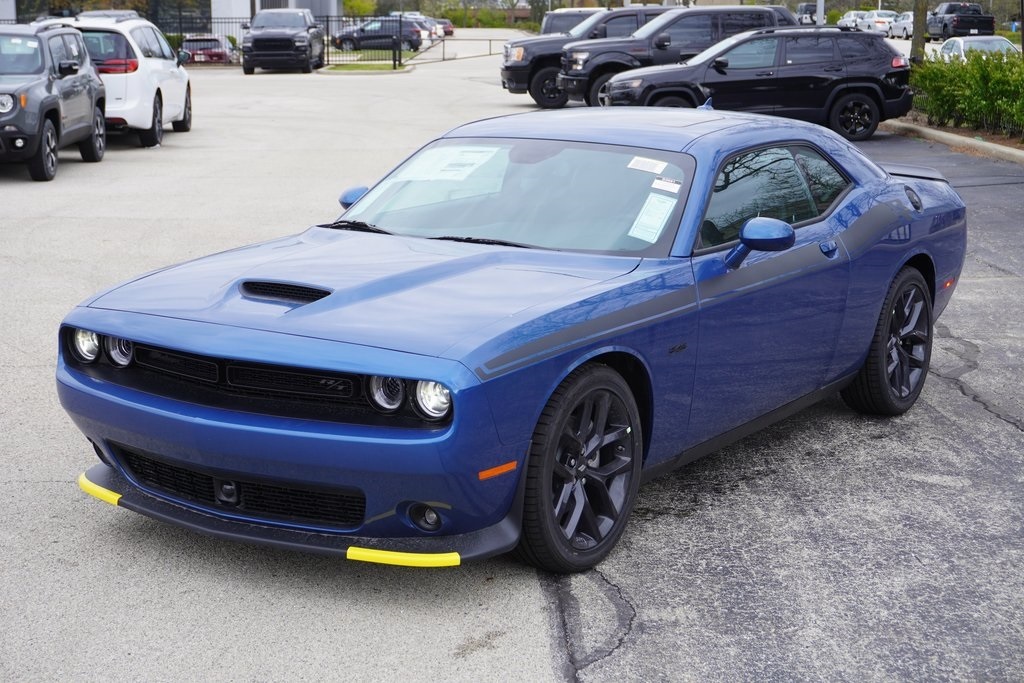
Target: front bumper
(574, 86)
(625, 97)
(270, 60)
(107, 484)
(10, 151)
(515, 79)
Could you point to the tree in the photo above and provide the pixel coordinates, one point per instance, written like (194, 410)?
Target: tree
(360, 8)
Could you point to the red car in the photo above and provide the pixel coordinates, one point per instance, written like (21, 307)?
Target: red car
(210, 49)
(447, 27)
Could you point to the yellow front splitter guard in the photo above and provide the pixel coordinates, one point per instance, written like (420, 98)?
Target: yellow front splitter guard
(353, 552)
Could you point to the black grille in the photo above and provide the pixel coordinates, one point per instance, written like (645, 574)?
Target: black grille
(263, 379)
(279, 291)
(343, 508)
(273, 44)
(179, 364)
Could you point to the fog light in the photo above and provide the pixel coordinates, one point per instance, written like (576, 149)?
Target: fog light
(19, 143)
(425, 517)
(119, 351)
(85, 345)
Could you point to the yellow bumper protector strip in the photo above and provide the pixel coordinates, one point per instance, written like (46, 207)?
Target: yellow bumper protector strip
(106, 495)
(403, 559)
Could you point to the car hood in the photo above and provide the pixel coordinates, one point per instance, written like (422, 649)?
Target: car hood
(551, 41)
(414, 295)
(11, 81)
(665, 73)
(606, 44)
(276, 32)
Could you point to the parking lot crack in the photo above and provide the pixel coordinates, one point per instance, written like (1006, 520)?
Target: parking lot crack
(968, 352)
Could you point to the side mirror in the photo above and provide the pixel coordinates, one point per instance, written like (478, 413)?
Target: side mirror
(662, 41)
(67, 67)
(351, 196)
(183, 57)
(600, 32)
(760, 234)
(245, 25)
(720, 63)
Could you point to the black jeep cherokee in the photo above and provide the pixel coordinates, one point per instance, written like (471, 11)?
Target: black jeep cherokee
(281, 39)
(50, 97)
(588, 64)
(532, 64)
(846, 79)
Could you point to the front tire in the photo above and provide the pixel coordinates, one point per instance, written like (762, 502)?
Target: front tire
(596, 89)
(95, 145)
(583, 472)
(854, 116)
(900, 353)
(43, 164)
(544, 89)
(154, 135)
(248, 69)
(185, 125)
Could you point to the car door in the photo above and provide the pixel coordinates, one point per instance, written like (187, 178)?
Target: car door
(768, 330)
(176, 78)
(747, 82)
(809, 67)
(689, 35)
(71, 91)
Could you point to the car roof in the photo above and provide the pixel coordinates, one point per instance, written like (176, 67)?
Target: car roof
(667, 129)
(35, 28)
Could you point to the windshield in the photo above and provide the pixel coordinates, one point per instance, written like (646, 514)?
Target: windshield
(279, 20)
(20, 55)
(535, 193)
(655, 26)
(582, 29)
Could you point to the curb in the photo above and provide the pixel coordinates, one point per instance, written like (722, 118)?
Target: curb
(988, 149)
(382, 72)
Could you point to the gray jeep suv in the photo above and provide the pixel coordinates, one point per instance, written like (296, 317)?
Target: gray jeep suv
(50, 97)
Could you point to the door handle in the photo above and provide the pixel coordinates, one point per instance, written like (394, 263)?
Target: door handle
(764, 73)
(829, 248)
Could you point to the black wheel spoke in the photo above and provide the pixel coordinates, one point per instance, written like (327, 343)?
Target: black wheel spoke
(569, 520)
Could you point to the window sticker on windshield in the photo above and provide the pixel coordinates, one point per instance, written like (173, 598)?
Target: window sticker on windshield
(652, 217)
(667, 184)
(16, 41)
(447, 163)
(649, 165)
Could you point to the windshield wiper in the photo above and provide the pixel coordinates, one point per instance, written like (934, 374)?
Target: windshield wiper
(482, 240)
(360, 226)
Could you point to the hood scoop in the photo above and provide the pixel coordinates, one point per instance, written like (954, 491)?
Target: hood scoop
(282, 292)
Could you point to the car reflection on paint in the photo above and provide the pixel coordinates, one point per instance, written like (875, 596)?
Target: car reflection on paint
(492, 347)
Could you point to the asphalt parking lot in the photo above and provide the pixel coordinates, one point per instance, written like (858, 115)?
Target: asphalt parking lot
(830, 546)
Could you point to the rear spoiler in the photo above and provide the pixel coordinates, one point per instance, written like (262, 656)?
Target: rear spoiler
(910, 171)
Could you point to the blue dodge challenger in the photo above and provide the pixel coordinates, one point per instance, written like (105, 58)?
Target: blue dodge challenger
(496, 344)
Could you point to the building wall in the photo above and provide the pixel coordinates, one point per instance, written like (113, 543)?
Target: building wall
(8, 11)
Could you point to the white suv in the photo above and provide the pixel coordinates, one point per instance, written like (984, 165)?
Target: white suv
(147, 86)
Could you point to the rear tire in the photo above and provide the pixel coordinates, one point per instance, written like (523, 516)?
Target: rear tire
(185, 125)
(154, 135)
(854, 116)
(544, 91)
(95, 145)
(43, 164)
(897, 364)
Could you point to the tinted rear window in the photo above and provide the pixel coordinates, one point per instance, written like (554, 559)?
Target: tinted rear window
(104, 45)
(561, 22)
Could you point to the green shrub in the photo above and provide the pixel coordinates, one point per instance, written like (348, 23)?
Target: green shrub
(983, 93)
(174, 39)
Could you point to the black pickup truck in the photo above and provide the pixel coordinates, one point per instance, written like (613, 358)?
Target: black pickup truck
(959, 19)
(587, 65)
(532, 64)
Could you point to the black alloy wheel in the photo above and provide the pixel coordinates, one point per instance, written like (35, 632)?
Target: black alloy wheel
(43, 164)
(583, 472)
(594, 94)
(93, 147)
(154, 135)
(185, 125)
(900, 353)
(544, 89)
(347, 45)
(854, 116)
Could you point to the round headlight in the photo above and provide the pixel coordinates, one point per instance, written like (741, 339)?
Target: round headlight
(386, 393)
(6, 103)
(119, 351)
(433, 399)
(86, 345)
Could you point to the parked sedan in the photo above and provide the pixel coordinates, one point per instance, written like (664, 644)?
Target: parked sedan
(902, 26)
(380, 33)
(876, 20)
(958, 48)
(210, 49)
(472, 360)
(850, 19)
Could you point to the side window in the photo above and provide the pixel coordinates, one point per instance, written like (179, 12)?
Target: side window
(764, 182)
(853, 48)
(165, 47)
(692, 32)
(738, 22)
(58, 51)
(372, 27)
(146, 42)
(619, 27)
(73, 48)
(753, 54)
(824, 180)
(809, 50)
